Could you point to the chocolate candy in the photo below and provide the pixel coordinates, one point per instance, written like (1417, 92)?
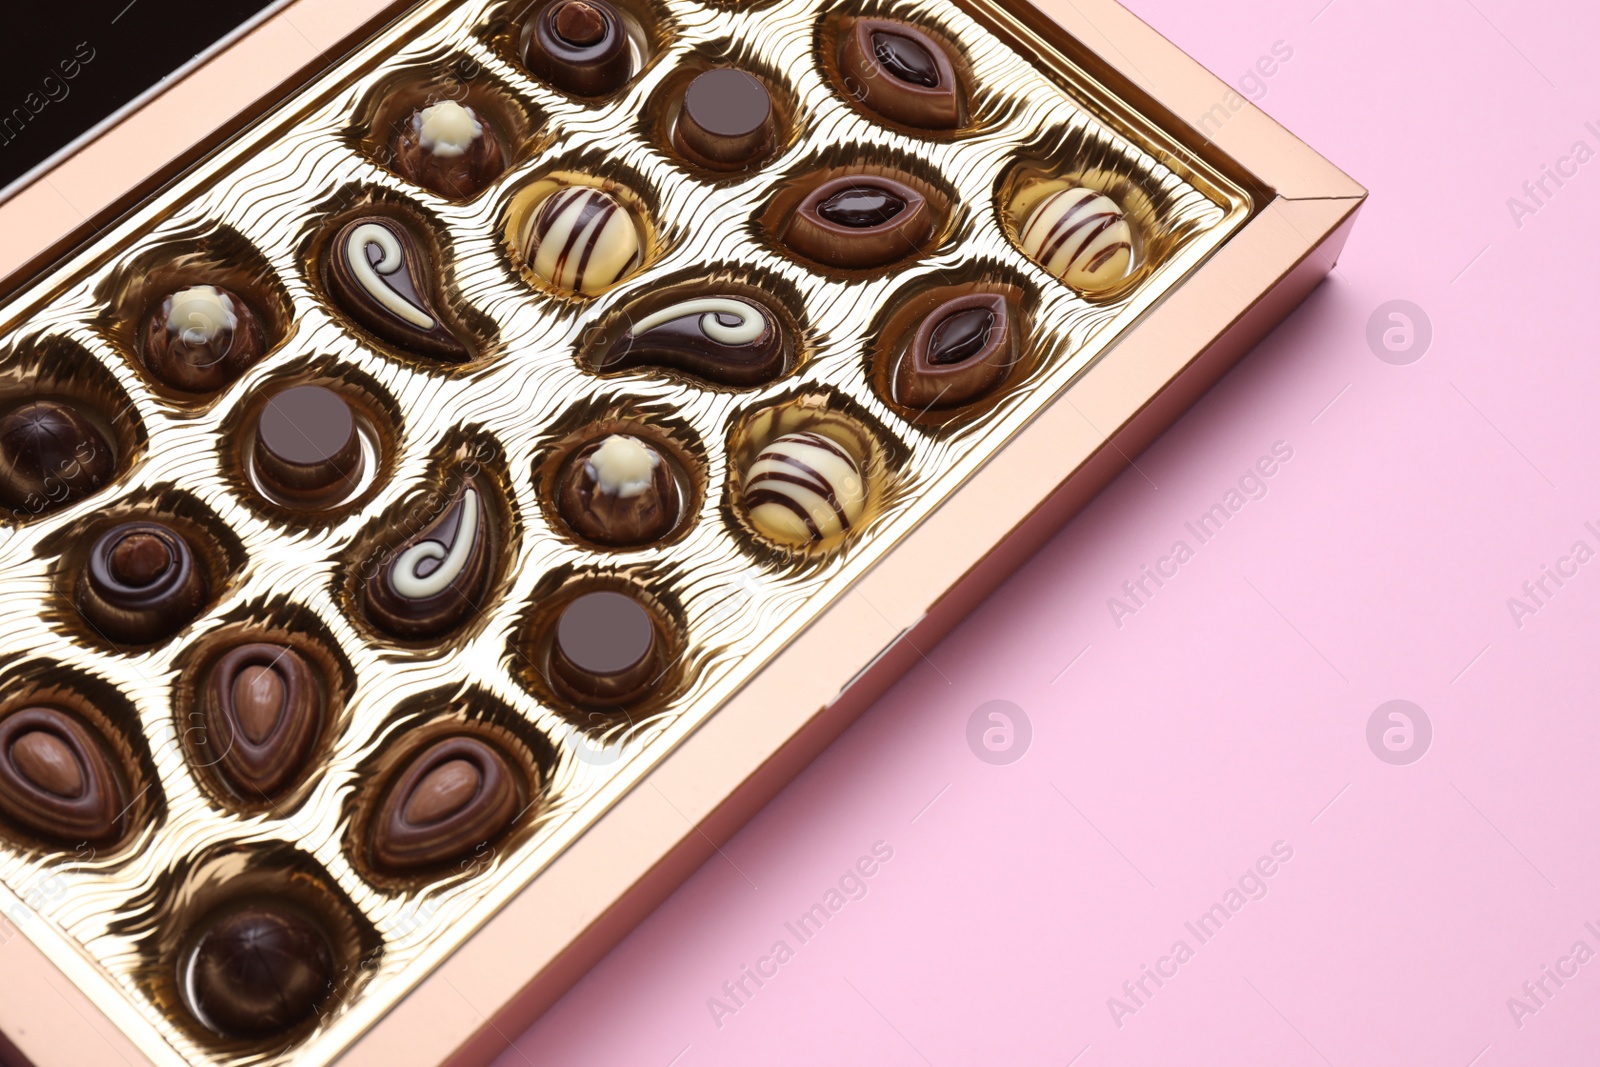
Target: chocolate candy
(581, 239)
(446, 147)
(259, 969)
(723, 339)
(580, 47)
(455, 795)
(607, 651)
(726, 122)
(307, 448)
(142, 583)
(435, 580)
(804, 487)
(375, 271)
(262, 711)
(901, 73)
(50, 455)
(56, 781)
(1081, 237)
(619, 491)
(961, 351)
(201, 338)
(860, 221)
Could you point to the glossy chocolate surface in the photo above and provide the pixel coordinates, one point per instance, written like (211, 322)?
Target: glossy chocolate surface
(142, 583)
(449, 148)
(56, 779)
(307, 448)
(900, 72)
(607, 650)
(727, 121)
(262, 710)
(376, 272)
(961, 351)
(456, 794)
(200, 338)
(434, 581)
(726, 340)
(580, 47)
(259, 970)
(859, 222)
(619, 491)
(50, 455)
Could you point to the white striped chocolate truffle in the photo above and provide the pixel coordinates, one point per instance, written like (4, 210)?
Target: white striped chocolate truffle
(581, 239)
(804, 487)
(1081, 237)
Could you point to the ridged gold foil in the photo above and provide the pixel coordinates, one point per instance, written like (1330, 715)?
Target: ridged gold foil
(257, 204)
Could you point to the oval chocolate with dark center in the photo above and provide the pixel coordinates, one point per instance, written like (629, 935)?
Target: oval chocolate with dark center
(960, 336)
(56, 778)
(905, 59)
(962, 350)
(48, 763)
(262, 712)
(861, 207)
(453, 796)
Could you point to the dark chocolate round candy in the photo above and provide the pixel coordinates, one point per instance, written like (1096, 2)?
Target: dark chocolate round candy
(50, 455)
(961, 350)
(580, 47)
(620, 491)
(142, 583)
(607, 650)
(201, 338)
(308, 449)
(901, 73)
(435, 580)
(260, 969)
(262, 710)
(453, 796)
(727, 120)
(860, 221)
(450, 148)
(56, 780)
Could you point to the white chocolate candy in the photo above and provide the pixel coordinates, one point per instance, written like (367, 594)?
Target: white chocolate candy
(804, 487)
(1081, 237)
(582, 239)
(447, 128)
(198, 314)
(623, 467)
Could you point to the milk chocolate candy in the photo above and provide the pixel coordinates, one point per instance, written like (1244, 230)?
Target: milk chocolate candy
(620, 491)
(142, 583)
(580, 47)
(375, 271)
(901, 73)
(307, 448)
(1082, 237)
(961, 351)
(860, 221)
(262, 711)
(50, 455)
(200, 338)
(581, 239)
(455, 795)
(726, 122)
(607, 651)
(56, 780)
(260, 969)
(804, 487)
(449, 148)
(435, 580)
(724, 339)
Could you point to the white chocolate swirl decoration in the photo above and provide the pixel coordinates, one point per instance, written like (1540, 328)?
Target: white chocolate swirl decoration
(582, 239)
(199, 314)
(447, 129)
(407, 576)
(371, 276)
(749, 323)
(804, 487)
(1081, 237)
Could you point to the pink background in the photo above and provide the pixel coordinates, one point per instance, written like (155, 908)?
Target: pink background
(1230, 712)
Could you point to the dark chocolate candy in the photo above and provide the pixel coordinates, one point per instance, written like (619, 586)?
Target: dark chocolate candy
(375, 271)
(142, 583)
(455, 795)
(726, 122)
(56, 780)
(50, 455)
(619, 491)
(262, 711)
(260, 969)
(962, 350)
(607, 651)
(449, 148)
(580, 47)
(201, 338)
(723, 339)
(435, 580)
(860, 221)
(307, 448)
(901, 73)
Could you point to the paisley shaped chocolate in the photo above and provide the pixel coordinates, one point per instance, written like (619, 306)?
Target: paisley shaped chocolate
(580, 47)
(961, 351)
(860, 221)
(607, 650)
(141, 584)
(375, 271)
(262, 710)
(201, 338)
(449, 148)
(619, 491)
(50, 455)
(258, 969)
(901, 73)
(1082, 237)
(453, 796)
(581, 239)
(727, 340)
(435, 580)
(56, 780)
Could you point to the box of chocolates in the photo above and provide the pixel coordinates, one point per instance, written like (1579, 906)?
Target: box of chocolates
(440, 510)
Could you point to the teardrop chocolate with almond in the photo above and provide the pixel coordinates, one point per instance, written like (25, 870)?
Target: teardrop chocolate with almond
(455, 795)
(56, 778)
(263, 712)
